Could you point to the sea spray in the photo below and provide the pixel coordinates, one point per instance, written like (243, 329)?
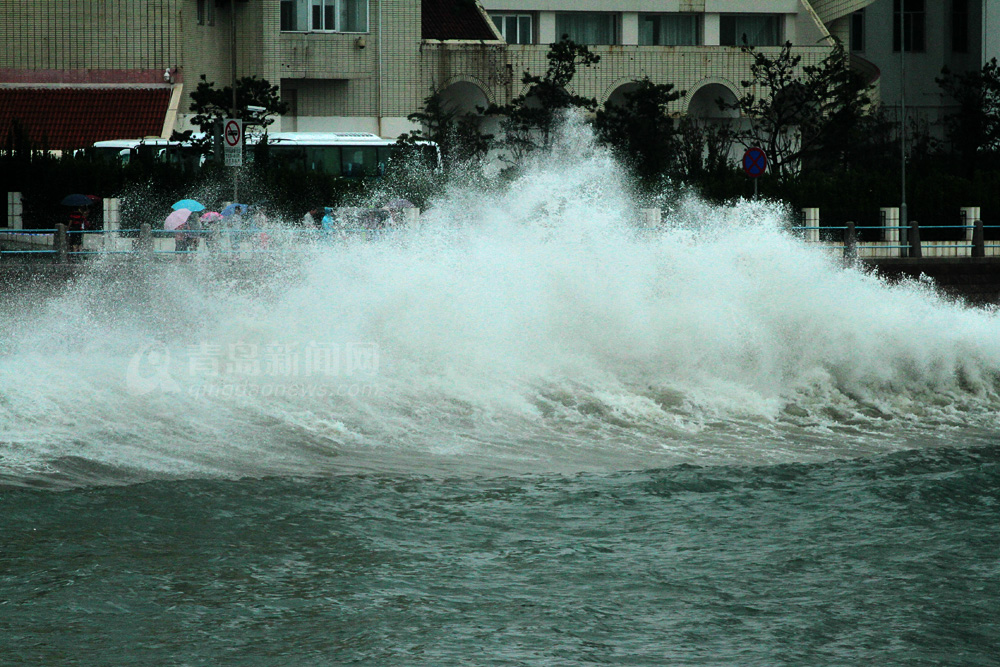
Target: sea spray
(535, 326)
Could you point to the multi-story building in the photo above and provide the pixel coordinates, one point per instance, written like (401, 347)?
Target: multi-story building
(73, 71)
(961, 35)
(693, 44)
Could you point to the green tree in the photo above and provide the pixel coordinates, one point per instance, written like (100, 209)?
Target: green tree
(973, 129)
(704, 146)
(211, 105)
(528, 121)
(458, 135)
(798, 113)
(642, 129)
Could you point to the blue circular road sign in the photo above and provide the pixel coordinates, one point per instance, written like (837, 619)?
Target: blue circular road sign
(754, 162)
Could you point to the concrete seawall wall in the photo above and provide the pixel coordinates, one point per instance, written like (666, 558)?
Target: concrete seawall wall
(975, 280)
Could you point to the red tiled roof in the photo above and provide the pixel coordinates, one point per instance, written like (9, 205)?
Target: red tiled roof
(67, 118)
(453, 19)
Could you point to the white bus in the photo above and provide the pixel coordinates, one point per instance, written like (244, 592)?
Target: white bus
(126, 151)
(342, 153)
(351, 154)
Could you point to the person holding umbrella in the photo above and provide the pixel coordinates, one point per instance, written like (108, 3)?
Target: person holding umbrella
(396, 208)
(209, 220)
(77, 226)
(177, 222)
(233, 215)
(188, 242)
(77, 219)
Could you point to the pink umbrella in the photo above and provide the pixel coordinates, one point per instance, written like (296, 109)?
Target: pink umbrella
(176, 219)
(211, 216)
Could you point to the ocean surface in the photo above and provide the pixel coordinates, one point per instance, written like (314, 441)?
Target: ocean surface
(528, 430)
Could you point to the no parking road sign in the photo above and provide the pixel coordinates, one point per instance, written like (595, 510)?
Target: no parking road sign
(232, 142)
(754, 162)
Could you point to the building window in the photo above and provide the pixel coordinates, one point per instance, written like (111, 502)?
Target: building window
(588, 27)
(515, 28)
(324, 15)
(206, 12)
(914, 20)
(288, 16)
(668, 30)
(960, 26)
(750, 29)
(858, 30)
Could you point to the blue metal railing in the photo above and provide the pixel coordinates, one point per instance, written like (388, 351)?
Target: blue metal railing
(908, 241)
(224, 241)
(274, 240)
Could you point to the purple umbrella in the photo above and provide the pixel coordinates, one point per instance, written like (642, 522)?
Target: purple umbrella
(176, 219)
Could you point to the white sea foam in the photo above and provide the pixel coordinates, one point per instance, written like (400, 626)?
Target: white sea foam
(526, 328)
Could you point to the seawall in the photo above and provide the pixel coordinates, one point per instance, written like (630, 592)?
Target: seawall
(974, 279)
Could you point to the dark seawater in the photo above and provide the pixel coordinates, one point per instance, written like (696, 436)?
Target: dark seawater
(887, 560)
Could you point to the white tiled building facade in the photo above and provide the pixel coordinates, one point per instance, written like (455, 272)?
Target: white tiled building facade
(365, 65)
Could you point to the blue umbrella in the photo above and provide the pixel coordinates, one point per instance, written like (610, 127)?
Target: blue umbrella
(189, 204)
(77, 200)
(233, 209)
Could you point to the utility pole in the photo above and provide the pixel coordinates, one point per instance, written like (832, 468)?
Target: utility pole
(903, 221)
(232, 55)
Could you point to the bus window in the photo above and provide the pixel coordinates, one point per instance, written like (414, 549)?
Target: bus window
(385, 155)
(110, 155)
(323, 159)
(147, 153)
(186, 158)
(360, 161)
(431, 156)
(288, 157)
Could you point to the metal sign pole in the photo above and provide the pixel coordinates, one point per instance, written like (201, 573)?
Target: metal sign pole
(233, 145)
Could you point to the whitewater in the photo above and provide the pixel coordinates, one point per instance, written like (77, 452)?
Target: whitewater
(536, 326)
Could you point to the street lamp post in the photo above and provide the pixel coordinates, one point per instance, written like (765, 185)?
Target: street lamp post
(903, 221)
(232, 44)
(232, 55)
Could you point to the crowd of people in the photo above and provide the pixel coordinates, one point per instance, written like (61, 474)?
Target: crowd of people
(231, 228)
(237, 226)
(331, 220)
